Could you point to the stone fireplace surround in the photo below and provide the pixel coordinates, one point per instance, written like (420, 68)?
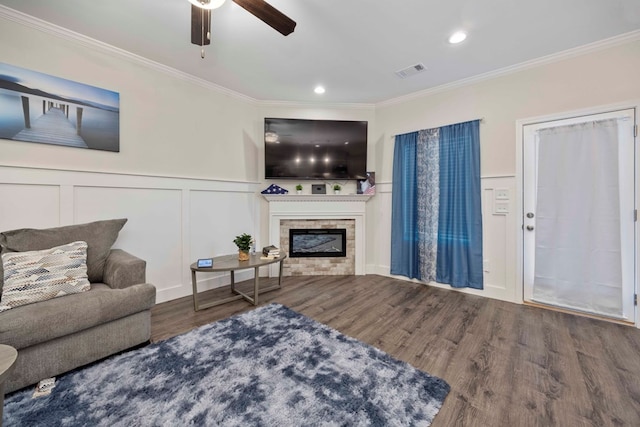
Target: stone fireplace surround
(346, 208)
(318, 265)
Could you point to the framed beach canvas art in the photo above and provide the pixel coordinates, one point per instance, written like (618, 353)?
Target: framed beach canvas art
(40, 108)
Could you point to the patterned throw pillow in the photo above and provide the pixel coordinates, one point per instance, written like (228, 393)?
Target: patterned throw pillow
(41, 275)
(99, 235)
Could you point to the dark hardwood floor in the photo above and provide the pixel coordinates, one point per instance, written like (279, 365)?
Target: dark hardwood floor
(507, 364)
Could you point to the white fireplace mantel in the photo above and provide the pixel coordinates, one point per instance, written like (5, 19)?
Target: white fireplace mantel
(320, 206)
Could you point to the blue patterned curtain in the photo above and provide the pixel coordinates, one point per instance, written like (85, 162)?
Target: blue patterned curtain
(428, 169)
(439, 171)
(459, 258)
(404, 201)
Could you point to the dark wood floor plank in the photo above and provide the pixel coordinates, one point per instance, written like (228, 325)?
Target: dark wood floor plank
(507, 364)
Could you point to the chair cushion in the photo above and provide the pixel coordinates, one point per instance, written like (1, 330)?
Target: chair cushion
(99, 235)
(33, 324)
(34, 276)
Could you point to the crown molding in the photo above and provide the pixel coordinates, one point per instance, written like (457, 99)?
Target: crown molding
(64, 33)
(555, 57)
(299, 104)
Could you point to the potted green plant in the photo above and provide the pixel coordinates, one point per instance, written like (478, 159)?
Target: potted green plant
(337, 188)
(243, 242)
(299, 188)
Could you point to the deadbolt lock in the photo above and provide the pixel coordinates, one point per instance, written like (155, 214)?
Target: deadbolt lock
(530, 215)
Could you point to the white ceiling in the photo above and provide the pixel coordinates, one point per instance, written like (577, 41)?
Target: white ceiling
(352, 47)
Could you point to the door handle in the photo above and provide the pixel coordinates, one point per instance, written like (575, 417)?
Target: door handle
(530, 227)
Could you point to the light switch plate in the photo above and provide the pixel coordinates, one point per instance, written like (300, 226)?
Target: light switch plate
(502, 194)
(501, 208)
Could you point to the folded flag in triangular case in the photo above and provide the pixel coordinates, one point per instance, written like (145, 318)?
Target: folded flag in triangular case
(274, 189)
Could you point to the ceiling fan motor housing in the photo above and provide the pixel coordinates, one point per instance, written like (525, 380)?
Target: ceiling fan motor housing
(201, 18)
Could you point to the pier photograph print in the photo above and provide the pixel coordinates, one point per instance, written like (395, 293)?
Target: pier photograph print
(40, 108)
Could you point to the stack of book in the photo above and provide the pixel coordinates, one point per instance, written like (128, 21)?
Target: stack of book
(270, 252)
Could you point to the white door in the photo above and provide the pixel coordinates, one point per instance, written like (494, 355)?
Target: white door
(579, 214)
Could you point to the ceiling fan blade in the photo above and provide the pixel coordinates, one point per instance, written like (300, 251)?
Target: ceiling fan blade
(269, 15)
(199, 32)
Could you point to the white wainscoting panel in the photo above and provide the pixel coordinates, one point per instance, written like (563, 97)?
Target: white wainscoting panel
(172, 221)
(153, 231)
(216, 219)
(29, 206)
(499, 240)
(379, 230)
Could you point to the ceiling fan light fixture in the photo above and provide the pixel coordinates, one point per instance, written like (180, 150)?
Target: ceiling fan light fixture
(207, 4)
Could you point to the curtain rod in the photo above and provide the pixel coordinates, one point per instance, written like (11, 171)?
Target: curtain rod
(481, 120)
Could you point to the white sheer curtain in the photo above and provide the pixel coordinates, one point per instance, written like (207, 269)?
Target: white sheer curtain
(578, 260)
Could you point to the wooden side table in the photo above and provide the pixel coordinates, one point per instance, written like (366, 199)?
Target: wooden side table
(8, 356)
(231, 263)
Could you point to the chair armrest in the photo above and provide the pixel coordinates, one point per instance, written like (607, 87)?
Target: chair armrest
(123, 269)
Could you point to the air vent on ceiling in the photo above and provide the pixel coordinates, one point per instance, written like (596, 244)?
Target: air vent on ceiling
(410, 71)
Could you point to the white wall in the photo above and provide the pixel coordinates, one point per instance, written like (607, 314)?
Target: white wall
(169, 125)
(185, 176)
(171, 221)
(190, 168)
(602, 76)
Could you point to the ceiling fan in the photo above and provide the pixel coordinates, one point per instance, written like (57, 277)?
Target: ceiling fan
(201, 18)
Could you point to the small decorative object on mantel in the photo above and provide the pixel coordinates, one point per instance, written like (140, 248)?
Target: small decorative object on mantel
(274, 189)
(243, 242)
(336, 189)
(299, 189)
(318, 189)
(367, 186)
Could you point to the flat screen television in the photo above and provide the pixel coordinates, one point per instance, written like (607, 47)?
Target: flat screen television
(315, 149)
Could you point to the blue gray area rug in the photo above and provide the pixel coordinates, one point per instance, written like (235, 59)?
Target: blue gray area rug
(267, 367)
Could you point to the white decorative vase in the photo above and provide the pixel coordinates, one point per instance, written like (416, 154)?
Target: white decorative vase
(298, 191)
(336, 191)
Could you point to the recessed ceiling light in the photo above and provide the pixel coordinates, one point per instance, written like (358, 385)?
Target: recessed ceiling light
(319, 90)
(457, 37)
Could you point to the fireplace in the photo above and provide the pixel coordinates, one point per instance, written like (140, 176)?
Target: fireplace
(315, 211)
(317, 242)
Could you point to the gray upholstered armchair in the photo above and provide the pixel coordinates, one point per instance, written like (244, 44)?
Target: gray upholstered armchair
(59, 334)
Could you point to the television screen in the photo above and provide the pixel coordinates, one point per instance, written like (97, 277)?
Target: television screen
(315, 149)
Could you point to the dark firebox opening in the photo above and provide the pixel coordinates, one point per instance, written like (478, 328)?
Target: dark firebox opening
(317, 242)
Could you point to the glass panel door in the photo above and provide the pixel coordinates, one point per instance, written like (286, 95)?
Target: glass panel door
(579, 206)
